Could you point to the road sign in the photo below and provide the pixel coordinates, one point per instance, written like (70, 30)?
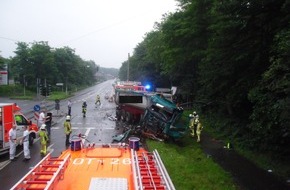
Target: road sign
(36, 108)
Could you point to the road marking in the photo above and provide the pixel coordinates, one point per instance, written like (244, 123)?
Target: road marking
(4, 163)
(108, 128)
(86, 134)
(76, 128)
(49, 149)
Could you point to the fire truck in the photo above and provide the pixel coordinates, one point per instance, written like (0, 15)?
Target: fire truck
(10, 115)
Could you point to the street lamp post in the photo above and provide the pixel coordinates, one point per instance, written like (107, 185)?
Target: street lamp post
(66, 85)
(24, 83)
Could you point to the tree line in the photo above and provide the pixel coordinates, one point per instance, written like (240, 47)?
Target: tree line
(233, 56)
(37, 62)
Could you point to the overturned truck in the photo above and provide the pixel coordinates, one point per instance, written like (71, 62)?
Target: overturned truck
(155, 114)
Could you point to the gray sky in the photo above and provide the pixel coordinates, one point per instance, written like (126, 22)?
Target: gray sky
(104, 31)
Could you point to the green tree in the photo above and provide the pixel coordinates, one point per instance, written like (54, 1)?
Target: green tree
(270, 117)
(39, 61)
(2, 63)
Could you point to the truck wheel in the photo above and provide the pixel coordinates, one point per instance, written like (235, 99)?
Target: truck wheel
(31, 140)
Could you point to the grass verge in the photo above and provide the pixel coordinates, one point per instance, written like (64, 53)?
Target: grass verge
(189, 168)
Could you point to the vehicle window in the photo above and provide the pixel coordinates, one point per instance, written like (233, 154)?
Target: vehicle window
(165, 115)
(20, 120)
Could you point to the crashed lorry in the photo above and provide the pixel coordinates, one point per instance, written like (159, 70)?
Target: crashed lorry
(155, 114)
(10, 115)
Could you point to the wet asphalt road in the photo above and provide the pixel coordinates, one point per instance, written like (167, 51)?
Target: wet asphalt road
(97, 126)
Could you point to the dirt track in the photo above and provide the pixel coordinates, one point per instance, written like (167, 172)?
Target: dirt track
(246, 174)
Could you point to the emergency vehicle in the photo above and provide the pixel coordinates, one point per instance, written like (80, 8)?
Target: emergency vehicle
(86, 165)
(10, 115)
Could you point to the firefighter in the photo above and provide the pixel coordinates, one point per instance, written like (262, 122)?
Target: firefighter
(12, 143)
(198, 129)
(84, 108)
(98, 100)
(67, 129)
(192, 123)
(43, 139)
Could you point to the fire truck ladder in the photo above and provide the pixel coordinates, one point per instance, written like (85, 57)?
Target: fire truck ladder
(44, 175)
(149, 172)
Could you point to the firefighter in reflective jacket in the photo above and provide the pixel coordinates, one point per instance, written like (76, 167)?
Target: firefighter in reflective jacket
(198, 129)
(43, 139)
(98, 100)
(67, 130)
(192, 123)
(84, 108)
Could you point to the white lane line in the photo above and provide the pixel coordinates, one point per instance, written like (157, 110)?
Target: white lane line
(49, 149)
(54, 128)
(4, 163)
(87, 133)
(108, 128)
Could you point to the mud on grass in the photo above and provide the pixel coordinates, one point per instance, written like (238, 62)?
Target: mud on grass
(189, 167)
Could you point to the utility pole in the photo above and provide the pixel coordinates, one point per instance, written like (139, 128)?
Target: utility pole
(66, 85)
(38, 89)
(24, 83)
(128, 70)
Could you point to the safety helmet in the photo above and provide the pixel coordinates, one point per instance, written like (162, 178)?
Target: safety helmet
(190, 115)
(67, 117)
(42, 127)
(194, 113)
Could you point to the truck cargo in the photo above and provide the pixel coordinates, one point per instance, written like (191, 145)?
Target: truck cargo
(10, 114)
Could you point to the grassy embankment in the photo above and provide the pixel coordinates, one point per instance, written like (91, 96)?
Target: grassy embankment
(189, 168)
(280, 166)
(17, 92)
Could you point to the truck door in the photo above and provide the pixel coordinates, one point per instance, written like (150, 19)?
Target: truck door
(7, 123)
(1, 130)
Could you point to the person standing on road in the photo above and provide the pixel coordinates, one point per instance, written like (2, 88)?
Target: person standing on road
(42, 118)
(25, 142)
(69, 104)
(98, 100)
(12, 143)
(43, 139)
(84, 108)
(48, 123)
(67, 130)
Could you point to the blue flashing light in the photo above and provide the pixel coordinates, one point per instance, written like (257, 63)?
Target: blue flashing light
(148, 86)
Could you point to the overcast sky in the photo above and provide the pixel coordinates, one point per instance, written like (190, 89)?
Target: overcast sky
(104, 31)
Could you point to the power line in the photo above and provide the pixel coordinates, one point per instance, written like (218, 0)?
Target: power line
(103, 28)
(10, 39)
